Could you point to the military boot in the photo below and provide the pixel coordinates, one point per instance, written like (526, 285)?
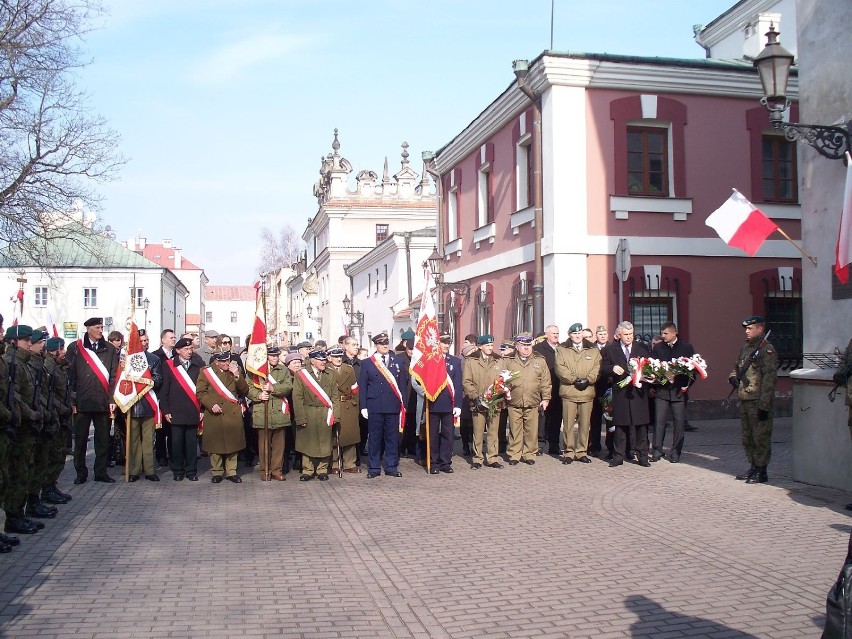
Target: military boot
(37, 509)
(9, 541)
(748, 474)
(17, 524)
(50, 496)
(759, 476)
(4, 548)
(64, 496)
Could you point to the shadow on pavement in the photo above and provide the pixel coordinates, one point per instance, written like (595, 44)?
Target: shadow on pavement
(654, 619)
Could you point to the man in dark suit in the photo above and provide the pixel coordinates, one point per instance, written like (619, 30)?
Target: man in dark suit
(670, 396)
(383, 387)
(601, 386)
(629, 403)
(163, 435)
(553, 415)
(443, 410)
(92, 368)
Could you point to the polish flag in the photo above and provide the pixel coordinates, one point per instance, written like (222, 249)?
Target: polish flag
(52, 324)
(256, 362)
(741, 224)
(344, 325)
(428, 366)
(843, 251)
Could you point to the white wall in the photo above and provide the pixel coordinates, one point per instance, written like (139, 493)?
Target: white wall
(221, 318)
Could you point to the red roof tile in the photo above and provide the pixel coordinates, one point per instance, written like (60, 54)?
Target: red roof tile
(230, 293)
(166, 257)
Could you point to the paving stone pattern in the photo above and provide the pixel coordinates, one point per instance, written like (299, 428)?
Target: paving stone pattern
(677, 550)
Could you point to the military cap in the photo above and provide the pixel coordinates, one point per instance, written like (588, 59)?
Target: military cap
(93, 321)
(523, 338)
(273, 350)
(319, 354)
(303, 345)
(484, 339)
(576, 327)
(507, 345)
(407, 334)
(381, 338)
(211, 333)
(38, 335)
(54, 344)
(446, 338)
(468, 350)
(223, 356)
(142, 332)
(600, 329)
(335, 352)
(183, 342)
(19, 331)
(753, 319)
(295, 355)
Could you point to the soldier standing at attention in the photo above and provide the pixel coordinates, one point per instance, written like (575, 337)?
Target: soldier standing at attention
(754, 379)
(316, 408)
(530, 393)
(577, 367)
(349, 432)
(480, 371)
(218, 389)
(271, 415)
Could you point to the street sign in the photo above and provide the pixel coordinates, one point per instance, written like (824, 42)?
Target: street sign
(622, 260)
(69, 330)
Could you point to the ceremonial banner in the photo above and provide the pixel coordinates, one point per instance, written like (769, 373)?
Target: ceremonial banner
(256, 362)
(843, 251)
(428, 366)
(134, 379)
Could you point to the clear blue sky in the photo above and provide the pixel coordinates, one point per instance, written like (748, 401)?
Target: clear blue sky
(226, 106)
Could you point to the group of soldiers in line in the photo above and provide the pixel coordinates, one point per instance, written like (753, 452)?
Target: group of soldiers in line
(323, 403)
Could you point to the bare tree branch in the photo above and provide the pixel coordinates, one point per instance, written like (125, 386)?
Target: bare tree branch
(279, 251)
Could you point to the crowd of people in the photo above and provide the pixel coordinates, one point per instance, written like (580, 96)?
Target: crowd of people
(322, 411)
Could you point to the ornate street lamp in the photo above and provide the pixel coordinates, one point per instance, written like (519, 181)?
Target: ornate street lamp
(145, 304)
(773, 65)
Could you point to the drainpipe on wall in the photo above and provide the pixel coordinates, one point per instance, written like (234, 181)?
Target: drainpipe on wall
(521, 69)
(407, 236)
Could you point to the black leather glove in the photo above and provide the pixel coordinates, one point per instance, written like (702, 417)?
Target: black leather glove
(732, 380)
(581, 384)
(839, 378)
(762, 415)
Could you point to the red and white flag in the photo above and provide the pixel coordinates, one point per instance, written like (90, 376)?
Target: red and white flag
(256, 362)
(741, 224)
(344, 325)
(134, 379)
(843, 251)
(51, 324)
(427, 361)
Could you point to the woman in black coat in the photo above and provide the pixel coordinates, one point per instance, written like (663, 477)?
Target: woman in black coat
(629, 404)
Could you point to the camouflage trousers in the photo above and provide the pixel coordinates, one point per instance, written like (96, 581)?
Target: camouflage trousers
(19, 469)
(41, 447)
(757, 434)
(55, 457)
(4, 460)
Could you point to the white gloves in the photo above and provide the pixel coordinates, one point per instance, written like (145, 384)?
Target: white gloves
(364, 413)
(456, 412)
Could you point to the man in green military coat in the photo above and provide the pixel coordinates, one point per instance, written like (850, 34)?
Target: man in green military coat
(271, 414)
(316, 407)
(349, 431)
(217, 389)
(60, 405)
(9, 417)
(754, 379)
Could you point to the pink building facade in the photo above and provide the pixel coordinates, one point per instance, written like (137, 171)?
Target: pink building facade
(635, 149)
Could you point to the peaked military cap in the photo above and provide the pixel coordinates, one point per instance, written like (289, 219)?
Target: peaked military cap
(273, 350)
(335, 352)
(318, 354)
(222, 357)
(524, 338)
(381, 338)
(446, 338)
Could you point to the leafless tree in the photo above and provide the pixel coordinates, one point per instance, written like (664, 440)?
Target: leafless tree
(279, 250)
(52, 148)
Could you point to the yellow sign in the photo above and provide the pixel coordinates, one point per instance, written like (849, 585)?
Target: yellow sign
(69, 330)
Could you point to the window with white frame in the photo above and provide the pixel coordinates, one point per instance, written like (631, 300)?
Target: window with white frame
(453, 214)
(90, 297)
(40, 296)
(137, 295)
(208, 317)
(484, 212)
(233, 317)
(523, 173)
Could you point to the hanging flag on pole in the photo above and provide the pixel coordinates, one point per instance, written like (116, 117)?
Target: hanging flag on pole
(344, 325)
(134, 379)
(256, 362)
(741, 224)
(427, 360)
(51, 324)
(843, 251)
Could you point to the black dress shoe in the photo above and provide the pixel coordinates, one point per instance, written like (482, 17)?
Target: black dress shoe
(395, 473)
(305, 477)
(656, 456)
(234, 479)
(495, 465)
(369, 475)
(106, 479)
(41, 511)
(643, 461)
(567, 460)
(513, 462)
(848, 506)
(434, 471)
(51, 497)
(9, 541)
(539, 452)
(673, 458)
(38, 525)
(192, 477)
(614, 463)
(65, 496)
(528, 462)
(689, 429)
(216, 479)
(19, 526)
(152, 477)
(4, 548)
(177, 477)
(584, 460)
(132, 478)
(475, 466)
(80, 479)
(322, 477)
(447, 469)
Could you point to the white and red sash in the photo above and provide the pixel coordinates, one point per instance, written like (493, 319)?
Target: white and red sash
(154, 403)
(377, 360)
(95, 364)
(285, 405)
(185, 382)
(316, 389)
(220, 387)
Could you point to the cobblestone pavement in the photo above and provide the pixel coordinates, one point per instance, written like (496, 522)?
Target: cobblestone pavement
(676, 550)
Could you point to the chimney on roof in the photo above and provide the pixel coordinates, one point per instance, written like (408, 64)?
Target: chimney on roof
(142, 242)
(177, 258)
(167, 243)
(131, 244)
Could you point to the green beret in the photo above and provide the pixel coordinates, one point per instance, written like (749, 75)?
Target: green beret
(409, 334)
(484, 339)
(38, 335)
(575, 328)
(19, 331)
(54, 344)
(753, 319)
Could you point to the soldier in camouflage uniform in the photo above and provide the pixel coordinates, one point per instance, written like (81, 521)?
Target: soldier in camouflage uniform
(43, 426)
(60, 420)
(754, 379)
(7, 431)
(843, 377)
